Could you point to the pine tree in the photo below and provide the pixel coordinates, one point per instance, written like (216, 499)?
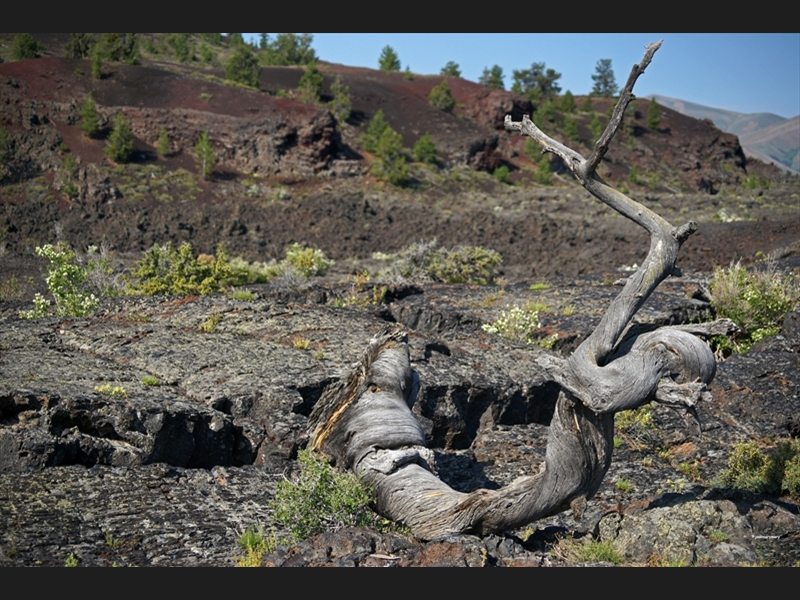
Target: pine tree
(571, 128)
(544, 172)
(97, 64)
(204, 155)
(588, 105)
(424, 150)
(243, 66)
(653, 115)
(372, 137)
(120, 142)
(89, 119)
(537, 83)
(341, 105)
(25, 46)
(442, 98)
(605, 85)
(451, 69)
(568, 105)
(310, 85)
(164, 146)
(388, 60)
(493, 77)
(596, 126)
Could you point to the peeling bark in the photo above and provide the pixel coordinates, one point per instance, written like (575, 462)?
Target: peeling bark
(364, 423)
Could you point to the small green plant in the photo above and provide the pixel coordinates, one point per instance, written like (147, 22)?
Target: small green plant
(539, 287)
(441, 97)
(775, 471)
(111, 390)
(624, 485)
(165, 270)
(502, 174)
(256, 543)
(210, 324)
(590, 550)
(544, 171)
(71, 561)
(636, 426)
(320, 498)
(516, 324)
(691, 470)
(718, 536)
(149, 380)
(756, 301)
(301, 343)
(242, 295)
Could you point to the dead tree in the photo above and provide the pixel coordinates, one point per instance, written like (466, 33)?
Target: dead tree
(364, 422)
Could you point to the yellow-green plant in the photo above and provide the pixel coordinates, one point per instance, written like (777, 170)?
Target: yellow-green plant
(775, 471)
(308, 261)
(165, 270)
(755, 300)
(256, 543)
(320, 498)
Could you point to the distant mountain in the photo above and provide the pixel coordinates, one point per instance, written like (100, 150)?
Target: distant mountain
(764, 136)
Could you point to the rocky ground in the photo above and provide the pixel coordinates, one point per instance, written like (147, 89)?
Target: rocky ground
(173, 473)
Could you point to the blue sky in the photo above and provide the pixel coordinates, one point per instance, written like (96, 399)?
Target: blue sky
(745, 73)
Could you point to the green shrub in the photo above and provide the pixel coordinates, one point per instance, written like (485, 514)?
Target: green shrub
(308, 261)
(165, 270)
(441, 97)
(516, 324)
(25, 46)
(424, 150)
(425, 261)
(756, 301)
(73, 286)
(568, 105)
(320, 499)
(775, 472)
(243, 67)
(502, 174)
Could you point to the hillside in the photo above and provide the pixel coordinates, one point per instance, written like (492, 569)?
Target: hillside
(287, 171)
(764, 136)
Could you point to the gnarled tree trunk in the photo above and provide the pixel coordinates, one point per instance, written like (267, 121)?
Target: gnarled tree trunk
(364, 423)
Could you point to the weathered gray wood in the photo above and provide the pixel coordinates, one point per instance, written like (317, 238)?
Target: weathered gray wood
(364, 423)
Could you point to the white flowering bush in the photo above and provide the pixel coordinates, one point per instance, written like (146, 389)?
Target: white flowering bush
(65, 279)
(516, 324)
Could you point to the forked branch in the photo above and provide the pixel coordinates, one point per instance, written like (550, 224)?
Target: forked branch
(364, 422)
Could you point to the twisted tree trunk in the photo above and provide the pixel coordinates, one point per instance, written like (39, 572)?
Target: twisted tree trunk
(364, 423)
